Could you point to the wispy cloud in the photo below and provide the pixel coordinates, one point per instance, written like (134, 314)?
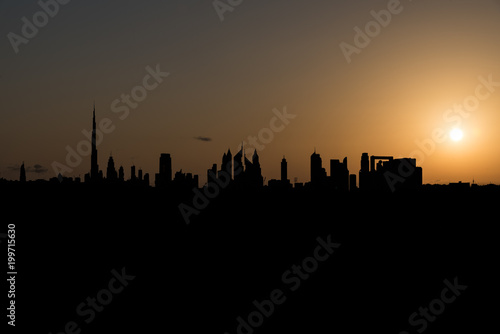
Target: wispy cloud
(14, 168)
(201, 138)
(36, 168)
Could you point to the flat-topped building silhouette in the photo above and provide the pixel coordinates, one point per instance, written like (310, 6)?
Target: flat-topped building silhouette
(164, 176)
(384, 173)
(185, 181)
(132, 173)
(352, 182)
(364, 171)
(339, 174)
(212, 174)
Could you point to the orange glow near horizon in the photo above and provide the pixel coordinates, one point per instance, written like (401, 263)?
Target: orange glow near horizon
(400, 96)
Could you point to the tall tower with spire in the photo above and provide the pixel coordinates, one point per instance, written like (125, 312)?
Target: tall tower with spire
(94, 167)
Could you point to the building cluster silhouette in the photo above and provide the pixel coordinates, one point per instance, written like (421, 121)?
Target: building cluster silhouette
(339, 174)
(96, 175)
(377, 173)
(237, 170)
(241, 171)
(389, 171)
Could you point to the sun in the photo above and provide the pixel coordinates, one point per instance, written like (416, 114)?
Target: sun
(456, 134)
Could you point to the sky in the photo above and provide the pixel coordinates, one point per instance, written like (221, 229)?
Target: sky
(202, 80)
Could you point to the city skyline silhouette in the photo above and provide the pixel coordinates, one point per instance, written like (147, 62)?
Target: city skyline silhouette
(249, 167)
(378, 175)
(339, 177)
(173, 92)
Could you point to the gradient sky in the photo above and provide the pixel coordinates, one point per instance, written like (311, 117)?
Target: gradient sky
(226, 77)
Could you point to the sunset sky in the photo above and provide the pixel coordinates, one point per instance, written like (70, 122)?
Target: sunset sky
(227, 76)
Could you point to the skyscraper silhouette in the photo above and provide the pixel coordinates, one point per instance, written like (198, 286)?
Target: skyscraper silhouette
(284, 172)
(121, 174)
(132, 173)
(339, 174)
(253, 173)
(257, 171)
(227, 164)
(111, 174)
(364, 171)
(94, 167)
(352, 182)
(212, 174)
(283, 183)
(164, 176)
(318, 173)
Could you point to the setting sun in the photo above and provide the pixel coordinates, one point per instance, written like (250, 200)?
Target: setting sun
(456, 134)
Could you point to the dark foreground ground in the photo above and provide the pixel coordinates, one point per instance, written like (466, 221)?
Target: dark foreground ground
(383, 259)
